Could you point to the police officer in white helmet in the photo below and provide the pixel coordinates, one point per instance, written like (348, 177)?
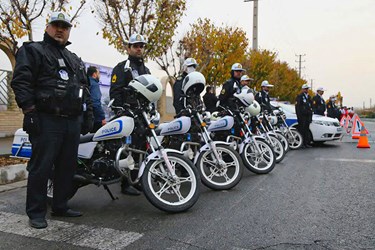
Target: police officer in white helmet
(263, 98)
(122, 74)
(304, 115)
(231, 85)
(189, 65)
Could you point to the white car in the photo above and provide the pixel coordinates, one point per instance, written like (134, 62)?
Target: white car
(322, 128)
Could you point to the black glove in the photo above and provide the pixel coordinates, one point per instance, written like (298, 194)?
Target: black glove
(31, 123)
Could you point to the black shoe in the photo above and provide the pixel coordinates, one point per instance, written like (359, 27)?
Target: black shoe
(38, 223)
(129, 190)
(67, 213)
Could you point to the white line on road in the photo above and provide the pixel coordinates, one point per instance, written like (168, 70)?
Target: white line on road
(347, 160)
(70, 233)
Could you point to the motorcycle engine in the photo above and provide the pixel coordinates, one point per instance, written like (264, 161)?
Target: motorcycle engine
(104, 167)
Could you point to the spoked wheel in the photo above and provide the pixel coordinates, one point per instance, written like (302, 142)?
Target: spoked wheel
(169, 194)
(278, 148)
(295, 138)
(283, 140)
(259, 162)
(223, 174)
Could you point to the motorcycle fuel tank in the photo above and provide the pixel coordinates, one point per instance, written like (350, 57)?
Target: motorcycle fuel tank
(176, 127)
(118, 128)
(224, 123)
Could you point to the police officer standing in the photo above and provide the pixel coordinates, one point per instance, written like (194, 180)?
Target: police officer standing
(263, 98)
(210, 99)
(332, 110)
(304, 115)
(122, 74)
(50, 87)
(189, 65)
(228, 89)
(318, 103)
(126, 70)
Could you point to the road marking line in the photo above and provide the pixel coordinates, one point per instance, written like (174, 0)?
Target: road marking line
(347, 160)
(75, 234)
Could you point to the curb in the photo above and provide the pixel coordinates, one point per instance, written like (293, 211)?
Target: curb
(11, 186)
(12, 173)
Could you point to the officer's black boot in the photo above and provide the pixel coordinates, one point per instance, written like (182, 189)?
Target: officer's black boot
(127, 189)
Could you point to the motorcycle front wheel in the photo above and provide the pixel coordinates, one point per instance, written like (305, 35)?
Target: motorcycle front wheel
(283, 140)
(216, 176)
(294, 138)
(278, 148)
(167, 194)
(259, 162)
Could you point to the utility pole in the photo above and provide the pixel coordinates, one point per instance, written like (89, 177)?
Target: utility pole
(255, 23)
(300, 64)
(311, 83)
(370, 103)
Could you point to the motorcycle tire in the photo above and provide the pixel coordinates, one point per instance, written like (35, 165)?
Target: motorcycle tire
(278, 148)
(261, 162)
(216, 177)
(295, 140)
(283, 140)
(165, 193)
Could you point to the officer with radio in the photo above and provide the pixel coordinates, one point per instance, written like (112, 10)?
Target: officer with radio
(50, 87)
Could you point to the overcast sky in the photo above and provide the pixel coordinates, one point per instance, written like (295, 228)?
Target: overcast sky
(337, 36)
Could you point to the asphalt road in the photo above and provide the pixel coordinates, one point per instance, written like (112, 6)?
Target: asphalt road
(318, 198)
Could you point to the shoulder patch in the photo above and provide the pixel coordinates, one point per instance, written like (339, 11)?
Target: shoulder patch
(222, 91)
(114, 78)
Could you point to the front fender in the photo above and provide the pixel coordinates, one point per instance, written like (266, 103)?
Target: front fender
(155, 156)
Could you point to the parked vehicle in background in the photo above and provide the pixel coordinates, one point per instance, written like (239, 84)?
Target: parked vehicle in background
(322, 128)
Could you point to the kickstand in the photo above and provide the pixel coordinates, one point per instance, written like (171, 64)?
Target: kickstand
(109, 192)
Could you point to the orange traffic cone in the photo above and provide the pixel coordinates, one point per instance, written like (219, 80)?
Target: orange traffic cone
(363, 141)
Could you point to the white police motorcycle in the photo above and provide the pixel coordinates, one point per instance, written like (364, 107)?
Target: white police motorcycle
(219, 165)
(122, 149)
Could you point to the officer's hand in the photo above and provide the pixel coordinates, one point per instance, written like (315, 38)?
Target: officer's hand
(31, 123)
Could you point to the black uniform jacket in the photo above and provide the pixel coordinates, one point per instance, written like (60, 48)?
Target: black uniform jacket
(226, 94)
(263, 99)
(178, 93)
(51, 78)
(303, 107)
(210, 101)
(332, 110)
(318, 105)
(121, 77)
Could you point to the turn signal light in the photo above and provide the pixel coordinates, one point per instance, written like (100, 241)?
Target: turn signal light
(151, 126)
(203, 124)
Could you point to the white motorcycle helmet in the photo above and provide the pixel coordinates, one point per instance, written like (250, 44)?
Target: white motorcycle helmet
(148, 86)
(272, 119)
(194, 82)
(246, 96)
(253, 109)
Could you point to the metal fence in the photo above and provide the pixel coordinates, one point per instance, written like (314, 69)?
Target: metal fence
(5, 78)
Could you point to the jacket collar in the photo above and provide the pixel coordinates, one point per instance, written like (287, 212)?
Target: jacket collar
(48, 39)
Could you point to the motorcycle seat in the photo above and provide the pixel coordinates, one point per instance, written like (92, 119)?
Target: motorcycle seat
(86, 138)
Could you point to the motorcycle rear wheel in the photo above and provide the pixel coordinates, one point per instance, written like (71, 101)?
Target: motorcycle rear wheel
(172, 196)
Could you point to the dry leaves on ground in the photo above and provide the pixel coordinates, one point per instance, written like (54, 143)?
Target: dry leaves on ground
(5, 160)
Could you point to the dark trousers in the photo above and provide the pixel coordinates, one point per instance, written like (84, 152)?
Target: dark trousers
(55, 147)
(304, 129)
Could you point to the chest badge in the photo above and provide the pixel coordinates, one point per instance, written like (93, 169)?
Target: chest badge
(64, 75)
